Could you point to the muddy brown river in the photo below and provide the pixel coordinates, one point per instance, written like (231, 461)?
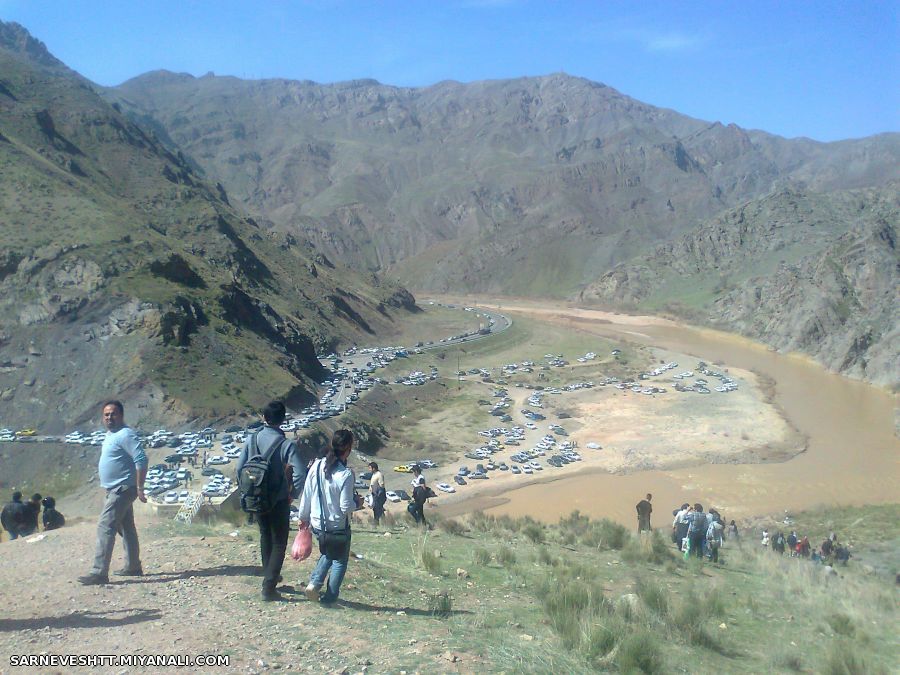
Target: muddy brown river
(852, 456)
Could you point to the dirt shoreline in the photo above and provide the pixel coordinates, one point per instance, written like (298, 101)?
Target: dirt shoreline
(810, 468)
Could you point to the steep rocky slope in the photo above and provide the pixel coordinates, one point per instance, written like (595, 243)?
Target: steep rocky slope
(528, 186)
(122, 272)
(817, 273)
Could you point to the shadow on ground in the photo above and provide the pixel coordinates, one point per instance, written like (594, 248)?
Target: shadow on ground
(165, 577)
(82, 619)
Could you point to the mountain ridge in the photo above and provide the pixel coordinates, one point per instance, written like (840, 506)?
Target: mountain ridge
(448, 186)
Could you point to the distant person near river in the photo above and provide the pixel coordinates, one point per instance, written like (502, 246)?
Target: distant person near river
(644, 509)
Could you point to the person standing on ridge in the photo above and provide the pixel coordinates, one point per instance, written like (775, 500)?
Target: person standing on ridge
(377, 491)
(122, 470)
(644, 509)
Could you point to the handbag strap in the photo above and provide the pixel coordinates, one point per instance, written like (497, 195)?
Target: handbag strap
(320, 476)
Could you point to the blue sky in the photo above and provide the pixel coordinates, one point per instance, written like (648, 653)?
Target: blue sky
(827, 70)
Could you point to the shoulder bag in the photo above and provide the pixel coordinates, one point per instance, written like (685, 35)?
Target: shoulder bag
(332, 545)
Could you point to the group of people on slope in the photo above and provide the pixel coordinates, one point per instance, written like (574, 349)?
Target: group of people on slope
(700, 534)
(324, 487)
(829, 552)
(20, 519)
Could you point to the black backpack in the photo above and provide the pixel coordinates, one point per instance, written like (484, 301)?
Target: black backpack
(254, 480)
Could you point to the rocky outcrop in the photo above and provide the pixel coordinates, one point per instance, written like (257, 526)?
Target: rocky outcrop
(799, 271)
(176, 269)
(242, 310)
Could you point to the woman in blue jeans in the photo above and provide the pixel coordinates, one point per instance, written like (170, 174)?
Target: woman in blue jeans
(327, 502)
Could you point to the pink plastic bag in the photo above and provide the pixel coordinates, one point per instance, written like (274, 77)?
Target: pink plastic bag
(302, 544)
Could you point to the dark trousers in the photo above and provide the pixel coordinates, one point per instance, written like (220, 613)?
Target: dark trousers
(697, 540)
(274, 527)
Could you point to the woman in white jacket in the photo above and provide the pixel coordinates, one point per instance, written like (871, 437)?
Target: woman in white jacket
(327, 502)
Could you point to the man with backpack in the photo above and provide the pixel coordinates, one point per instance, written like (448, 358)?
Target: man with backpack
(270, 475)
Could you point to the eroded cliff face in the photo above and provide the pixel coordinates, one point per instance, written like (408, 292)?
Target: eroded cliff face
(124, 273)
(806, 272)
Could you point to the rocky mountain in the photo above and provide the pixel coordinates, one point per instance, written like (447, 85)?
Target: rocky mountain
(801, 271)
(123, 272)
(528, 186)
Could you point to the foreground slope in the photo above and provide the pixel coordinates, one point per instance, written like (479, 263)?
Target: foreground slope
(123, 273)
(798, 270)
(490, 596)
(530, 186)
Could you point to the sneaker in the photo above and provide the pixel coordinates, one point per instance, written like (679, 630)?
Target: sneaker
(93, 579)
(270, 595)
(312, 593)
(129, 573)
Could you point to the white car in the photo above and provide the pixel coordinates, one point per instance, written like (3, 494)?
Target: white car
(535, 465)
(218, 459)
(171, 498)
(445, 487)
(531, 425)
(593, 446)
(392, 496)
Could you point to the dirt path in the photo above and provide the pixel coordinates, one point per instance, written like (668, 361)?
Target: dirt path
(199, 595)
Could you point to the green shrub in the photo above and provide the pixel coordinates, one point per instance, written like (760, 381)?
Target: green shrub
(841, 624)
(652, 550)
(788, 661)
(544, 556)
(440, 604)
(506, 556)
(426, 558)
(451, 526)
(611, 535)
(481, 522)
(640, 653)
(843, 658)
(602, 637)
(481, 556)
(654, 596)
(534, 533)
(689, 619)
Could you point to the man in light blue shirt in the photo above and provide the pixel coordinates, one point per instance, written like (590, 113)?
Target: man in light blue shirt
(122, 470)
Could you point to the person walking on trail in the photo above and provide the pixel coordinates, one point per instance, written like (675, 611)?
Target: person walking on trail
(377, 492)
(644, 509)
(327, 502)
(14, 516)
(284, 478)
(122, 470)
(697, 530)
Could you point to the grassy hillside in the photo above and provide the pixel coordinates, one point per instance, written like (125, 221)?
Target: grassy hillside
(123, 272)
